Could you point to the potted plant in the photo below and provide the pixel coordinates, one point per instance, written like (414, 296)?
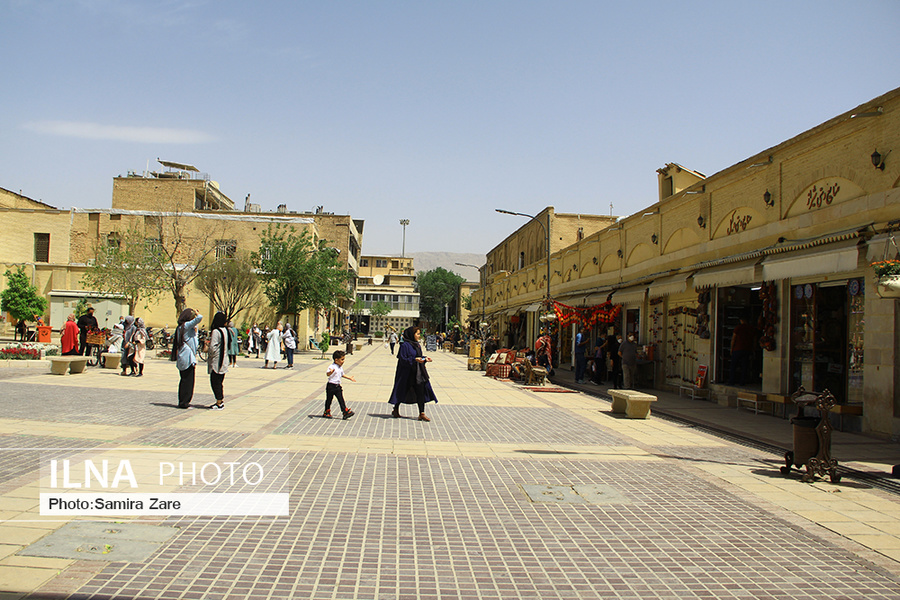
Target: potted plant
(887, 273)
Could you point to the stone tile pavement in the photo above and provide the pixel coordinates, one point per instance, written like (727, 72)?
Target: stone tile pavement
(397, 508)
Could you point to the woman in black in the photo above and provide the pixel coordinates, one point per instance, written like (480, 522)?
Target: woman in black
(411, 382)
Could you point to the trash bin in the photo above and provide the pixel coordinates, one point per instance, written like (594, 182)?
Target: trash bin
(806, 439)
(43, 334)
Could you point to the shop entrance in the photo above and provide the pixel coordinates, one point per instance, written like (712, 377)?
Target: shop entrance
(734, 304)
(826, 339)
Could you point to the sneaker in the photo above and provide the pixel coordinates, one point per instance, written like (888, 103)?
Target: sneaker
(327, 414)
(217, 406)
(347, 414)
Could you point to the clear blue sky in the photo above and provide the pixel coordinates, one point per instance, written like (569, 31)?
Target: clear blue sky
(437, 112)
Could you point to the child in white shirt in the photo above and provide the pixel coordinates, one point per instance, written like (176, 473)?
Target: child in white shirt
(333, 388)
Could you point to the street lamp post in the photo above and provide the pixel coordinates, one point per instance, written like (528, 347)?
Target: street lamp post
(404, 222)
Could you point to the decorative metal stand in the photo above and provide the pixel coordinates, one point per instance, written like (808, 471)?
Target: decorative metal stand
(818, 461)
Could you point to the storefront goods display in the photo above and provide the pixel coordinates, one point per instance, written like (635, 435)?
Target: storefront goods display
(587, 316)
(769, 317)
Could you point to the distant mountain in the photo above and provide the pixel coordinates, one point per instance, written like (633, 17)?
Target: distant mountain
(426, 261)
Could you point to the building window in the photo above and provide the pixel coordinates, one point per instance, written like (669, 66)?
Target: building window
(226, 249)
(42, 247)
(521, 260)
(381, 264)
(153, 246)
(364, 262)
(395, 264)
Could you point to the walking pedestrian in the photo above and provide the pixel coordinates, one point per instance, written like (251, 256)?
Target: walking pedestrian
(127, 349)
(234, 346)
(616, 375)
(333, 388)
(600, 347)
(411, 381)
(392, 340)
(184, 353)
(290, 344)
(219, 344)
(273, 347)
(581, 343)
(139, 344)
(255, 341)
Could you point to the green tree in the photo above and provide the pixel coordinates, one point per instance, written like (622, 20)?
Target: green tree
(20, 298)
(380, 309)
(124, 266)
(297, 273)
(437, 288)
(230, 284)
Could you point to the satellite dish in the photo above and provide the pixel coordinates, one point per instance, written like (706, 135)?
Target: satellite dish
(378, 279)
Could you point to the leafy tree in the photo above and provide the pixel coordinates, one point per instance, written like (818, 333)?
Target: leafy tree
(297, 273)
(124, 266)
(230, 284)
(380, 309)
(437, 288)
(21, 299)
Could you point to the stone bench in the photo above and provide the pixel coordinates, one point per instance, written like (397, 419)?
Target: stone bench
(60, 365)
(111, 360)
(635, 405)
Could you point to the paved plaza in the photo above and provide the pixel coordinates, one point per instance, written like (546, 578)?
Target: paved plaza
(506, 493)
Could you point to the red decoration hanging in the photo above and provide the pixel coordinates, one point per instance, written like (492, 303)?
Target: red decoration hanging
(587, 316)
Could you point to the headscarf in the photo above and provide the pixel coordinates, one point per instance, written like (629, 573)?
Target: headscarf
(220, 321)
(129, 331)
(139, 328)
(409, 337)
(178, 341)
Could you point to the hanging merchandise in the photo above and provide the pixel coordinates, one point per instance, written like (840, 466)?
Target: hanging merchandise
(769, 317)
(587, 316)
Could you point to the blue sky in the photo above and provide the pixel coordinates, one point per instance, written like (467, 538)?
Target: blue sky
(436, 112)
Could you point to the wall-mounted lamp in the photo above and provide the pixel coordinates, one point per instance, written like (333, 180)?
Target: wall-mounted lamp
(701, 222)
(654, 238)
(702, 190)
(574, 267)
(619, 253)
(595, 260)
(878, 160)
(768, 199)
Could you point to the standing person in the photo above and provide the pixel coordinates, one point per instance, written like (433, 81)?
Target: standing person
(70, 337)
(581, 342)
(333, 388)
(127, 349)
(616, 359)
(741, 347)
(543, 351)
(184, 353)
(411, 381)
(255, 340)
(273, 347)
(139, 344)
(628, 353)
(392, 340)
(86, 323)
(290, 344)
(600, 348)
(219, 344)
(234, 347)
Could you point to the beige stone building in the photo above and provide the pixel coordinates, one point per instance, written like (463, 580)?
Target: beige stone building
(784, 239)
(392, 280)
(57, 246)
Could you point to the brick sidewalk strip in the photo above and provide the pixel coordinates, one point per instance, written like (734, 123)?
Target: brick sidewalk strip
(507, 493)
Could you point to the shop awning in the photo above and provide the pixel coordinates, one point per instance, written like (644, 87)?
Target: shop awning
(513, 311)
(739, 273)
(630, 295)
(820, 260)
(533, 307)
(674, 284)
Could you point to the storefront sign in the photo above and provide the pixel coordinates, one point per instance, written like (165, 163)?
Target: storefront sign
(824, 193)
(738, 223)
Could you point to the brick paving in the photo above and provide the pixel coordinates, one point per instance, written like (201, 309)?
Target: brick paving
(397, 522)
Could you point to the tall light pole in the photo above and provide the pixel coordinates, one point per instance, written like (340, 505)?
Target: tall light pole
(404, 222)
(483, 291)
(546, 231)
